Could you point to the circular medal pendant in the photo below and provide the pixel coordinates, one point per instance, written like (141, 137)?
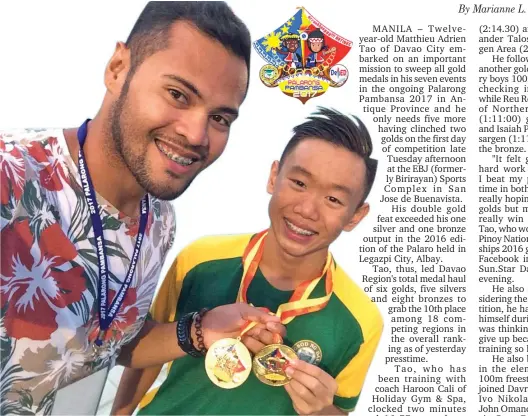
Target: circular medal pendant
(228, 363)
(270, 363)
(96, 351)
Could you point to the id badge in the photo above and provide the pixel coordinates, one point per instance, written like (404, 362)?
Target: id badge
(81, 397)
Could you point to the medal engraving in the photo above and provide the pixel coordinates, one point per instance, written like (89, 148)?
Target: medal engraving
(270, 364)
(308, 351)
(228, 363)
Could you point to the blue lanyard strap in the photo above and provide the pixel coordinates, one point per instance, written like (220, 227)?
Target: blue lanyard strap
(107, 314)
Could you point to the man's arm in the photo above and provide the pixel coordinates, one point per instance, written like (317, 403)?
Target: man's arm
(350, 380)
(133, 386)
(144, 351)
(157, 344)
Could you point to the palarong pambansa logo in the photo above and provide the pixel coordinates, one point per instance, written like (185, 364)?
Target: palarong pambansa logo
(303, 57)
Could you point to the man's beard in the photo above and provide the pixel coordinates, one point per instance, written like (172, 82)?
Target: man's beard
(136, 163)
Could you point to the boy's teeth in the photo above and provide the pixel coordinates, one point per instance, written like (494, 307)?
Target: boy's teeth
(298, 230)
(185, 161)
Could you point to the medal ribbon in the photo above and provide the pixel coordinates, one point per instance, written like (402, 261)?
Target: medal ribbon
(249, 325)
(299, 303)
(107, 314)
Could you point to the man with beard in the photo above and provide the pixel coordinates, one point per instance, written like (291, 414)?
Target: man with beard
(85, 217)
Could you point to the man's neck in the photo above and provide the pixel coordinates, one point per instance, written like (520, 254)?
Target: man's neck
(286, 272)
(111, 178)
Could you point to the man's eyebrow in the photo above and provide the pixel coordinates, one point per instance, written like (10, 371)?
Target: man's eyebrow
(337, 186)
(194, 90)
(187, 84)
(227, 110)
(343, 188)
(300, 169)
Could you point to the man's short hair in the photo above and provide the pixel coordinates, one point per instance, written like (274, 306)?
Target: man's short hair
(150, 34)
(341, 130)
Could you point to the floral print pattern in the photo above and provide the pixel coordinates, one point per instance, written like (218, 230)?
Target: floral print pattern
(49, 273)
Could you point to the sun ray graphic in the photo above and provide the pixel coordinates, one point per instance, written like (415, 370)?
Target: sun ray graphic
(272, 41)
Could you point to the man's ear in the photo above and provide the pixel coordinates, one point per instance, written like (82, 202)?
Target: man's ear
(272, 177)
(360, 213)
(117, 69)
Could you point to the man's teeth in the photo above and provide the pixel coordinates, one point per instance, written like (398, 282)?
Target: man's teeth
(185, 161)
(298, 230)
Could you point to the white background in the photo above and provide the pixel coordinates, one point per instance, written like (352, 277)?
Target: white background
(52, 59)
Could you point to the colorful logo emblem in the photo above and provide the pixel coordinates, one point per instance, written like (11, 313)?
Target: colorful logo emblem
(303, 57)
(308, 351)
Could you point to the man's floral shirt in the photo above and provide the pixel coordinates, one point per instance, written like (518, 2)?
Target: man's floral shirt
(49, 272)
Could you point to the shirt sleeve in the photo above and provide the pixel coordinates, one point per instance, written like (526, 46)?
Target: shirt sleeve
(350, 380)
(164, 307)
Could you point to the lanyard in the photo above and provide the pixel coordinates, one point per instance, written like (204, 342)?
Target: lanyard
(299, 303)
(107, 314)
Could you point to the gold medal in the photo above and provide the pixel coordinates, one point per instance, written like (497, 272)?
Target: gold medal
(270, 364)
(228, 363)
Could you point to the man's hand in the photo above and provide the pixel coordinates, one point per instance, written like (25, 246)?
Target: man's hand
(311, 389)
(227, 321)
